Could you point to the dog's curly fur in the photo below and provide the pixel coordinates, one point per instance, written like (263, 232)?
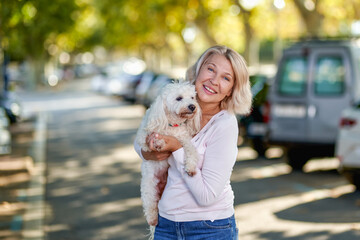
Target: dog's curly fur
(175, 112)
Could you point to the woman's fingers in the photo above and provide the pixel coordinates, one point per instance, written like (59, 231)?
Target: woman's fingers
(158, 142)
(156, 156)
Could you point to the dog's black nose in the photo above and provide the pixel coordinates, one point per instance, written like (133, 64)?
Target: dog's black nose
(192, 107)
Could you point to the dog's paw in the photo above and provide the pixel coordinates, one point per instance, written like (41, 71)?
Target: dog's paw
(190, 168)
(159, 144)
(152, 221)
(191, 173)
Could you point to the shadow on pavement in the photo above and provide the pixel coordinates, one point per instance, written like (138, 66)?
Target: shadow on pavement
(93, 188)
(325, 210)
(347, 235)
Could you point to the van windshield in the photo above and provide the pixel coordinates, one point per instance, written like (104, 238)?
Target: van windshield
(293, 76)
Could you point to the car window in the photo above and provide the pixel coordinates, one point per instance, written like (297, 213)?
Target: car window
(293, 76)
(329, 76)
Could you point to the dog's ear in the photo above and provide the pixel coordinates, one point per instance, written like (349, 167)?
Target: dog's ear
(193, 124)
(157, 117)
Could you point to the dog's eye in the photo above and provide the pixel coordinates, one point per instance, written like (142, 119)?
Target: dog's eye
(192, 97)
(179, 98)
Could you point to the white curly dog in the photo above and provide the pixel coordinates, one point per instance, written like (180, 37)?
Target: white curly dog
(175, 112)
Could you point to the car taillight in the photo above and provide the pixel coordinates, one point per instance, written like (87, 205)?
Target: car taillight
(347, 122)
(266, 112)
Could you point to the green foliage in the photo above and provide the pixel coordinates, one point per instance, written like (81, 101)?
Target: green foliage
(29, 27)
(26, 25)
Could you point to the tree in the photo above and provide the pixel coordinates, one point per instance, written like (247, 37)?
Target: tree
(27, 25)
(311, 16)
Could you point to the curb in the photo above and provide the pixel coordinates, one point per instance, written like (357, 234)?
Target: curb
(33, 218)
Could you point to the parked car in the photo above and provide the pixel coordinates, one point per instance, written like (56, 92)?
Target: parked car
(148, 77)
(348, 145)
(85, 70)
(314, 82)
(12, 106)
(154, 90)
(255, 124)
(5, 137)
(130, 95)
(123, 85)
(115, 81)
(98, 82)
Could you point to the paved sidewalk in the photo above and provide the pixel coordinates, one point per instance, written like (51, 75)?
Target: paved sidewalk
(22, 182)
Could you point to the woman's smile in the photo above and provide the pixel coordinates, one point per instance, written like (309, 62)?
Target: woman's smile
(209, 90)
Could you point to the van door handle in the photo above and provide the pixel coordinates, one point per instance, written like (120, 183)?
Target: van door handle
(311, 111)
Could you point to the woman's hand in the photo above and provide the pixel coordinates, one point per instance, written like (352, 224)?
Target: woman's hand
(162, 143)
(161, 147)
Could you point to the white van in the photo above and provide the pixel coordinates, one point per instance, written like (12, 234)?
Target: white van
(315, 81)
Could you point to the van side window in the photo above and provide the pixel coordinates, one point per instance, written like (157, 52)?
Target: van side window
(329, 78)
(293, 76)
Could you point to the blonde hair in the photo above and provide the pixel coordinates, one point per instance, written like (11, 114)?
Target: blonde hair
(240, 99)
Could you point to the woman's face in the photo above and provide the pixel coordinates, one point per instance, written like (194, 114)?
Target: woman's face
(215, 80)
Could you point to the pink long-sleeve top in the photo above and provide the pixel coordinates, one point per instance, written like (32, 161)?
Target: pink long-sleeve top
(207, 195)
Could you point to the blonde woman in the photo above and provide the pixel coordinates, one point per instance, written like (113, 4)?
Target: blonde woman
(202, 206)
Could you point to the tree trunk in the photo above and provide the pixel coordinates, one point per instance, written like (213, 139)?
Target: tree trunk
(188, 52)
(35, 73)
(312, 18)
(252, 45)
(202, 24)
(2, 70)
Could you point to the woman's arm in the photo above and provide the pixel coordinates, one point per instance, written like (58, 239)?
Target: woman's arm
(219, 159)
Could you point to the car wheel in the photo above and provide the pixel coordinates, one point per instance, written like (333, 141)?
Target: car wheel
(297, 158)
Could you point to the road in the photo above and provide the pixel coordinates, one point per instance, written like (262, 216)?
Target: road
(93, 177)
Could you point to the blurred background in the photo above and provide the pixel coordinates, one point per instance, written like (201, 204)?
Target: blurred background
(46, 42)
(76, 77)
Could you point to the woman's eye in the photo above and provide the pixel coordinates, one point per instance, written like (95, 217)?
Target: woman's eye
(179, 98)
(226, 78)
(210, 69)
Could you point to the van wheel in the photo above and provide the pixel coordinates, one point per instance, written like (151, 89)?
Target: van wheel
(297, 158)
(353, 178)
(259, 146)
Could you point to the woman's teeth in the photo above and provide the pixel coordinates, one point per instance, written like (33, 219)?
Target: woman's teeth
(210, 90)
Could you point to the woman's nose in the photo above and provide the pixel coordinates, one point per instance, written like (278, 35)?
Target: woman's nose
(214, 80)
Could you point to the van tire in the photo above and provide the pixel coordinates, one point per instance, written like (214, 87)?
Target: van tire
(297, 158)
(259, 146)
(353, 178)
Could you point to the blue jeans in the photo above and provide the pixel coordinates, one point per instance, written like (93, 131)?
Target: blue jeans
(223, 229)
